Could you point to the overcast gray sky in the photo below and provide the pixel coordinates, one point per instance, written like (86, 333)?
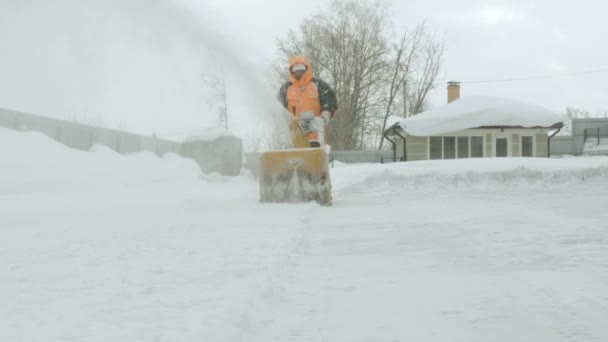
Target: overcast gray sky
(137, 64)
(486, 39)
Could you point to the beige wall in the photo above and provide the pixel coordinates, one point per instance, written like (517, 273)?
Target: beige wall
(542, 145)
(516, 144)
(417, 148)
(488, 144)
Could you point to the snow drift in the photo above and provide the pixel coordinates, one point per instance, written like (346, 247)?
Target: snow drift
(476, 174)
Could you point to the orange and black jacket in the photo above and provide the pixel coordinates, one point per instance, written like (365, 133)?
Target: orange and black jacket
(327, 96)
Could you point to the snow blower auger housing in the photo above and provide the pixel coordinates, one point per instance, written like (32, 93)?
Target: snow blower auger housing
(295, 175)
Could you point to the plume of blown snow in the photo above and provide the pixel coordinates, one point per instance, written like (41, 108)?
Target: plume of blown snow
(135, 65)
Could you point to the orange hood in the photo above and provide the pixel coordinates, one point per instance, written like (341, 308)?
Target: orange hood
(307, 77)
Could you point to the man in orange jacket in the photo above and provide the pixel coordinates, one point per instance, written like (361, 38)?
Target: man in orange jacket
(311, 100)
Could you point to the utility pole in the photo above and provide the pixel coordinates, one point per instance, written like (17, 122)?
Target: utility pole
(225, 103)
(405, 111)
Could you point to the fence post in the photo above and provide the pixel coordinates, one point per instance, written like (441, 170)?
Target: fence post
(598, 136)
(91, 139)
(584, 136)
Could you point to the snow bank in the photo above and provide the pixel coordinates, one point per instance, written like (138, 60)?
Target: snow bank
(480, 174)
(592, 145)
(32, 162)
(477, 111)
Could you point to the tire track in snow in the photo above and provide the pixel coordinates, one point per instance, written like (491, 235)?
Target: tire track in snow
(255, 313)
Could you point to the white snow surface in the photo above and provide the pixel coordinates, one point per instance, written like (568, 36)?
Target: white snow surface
(477, 111)
(98, 246)
(592, 145)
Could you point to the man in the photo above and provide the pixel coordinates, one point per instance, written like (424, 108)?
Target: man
(309, 99)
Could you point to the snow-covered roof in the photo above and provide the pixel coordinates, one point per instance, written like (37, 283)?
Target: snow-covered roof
(393, 120)
(478, 111)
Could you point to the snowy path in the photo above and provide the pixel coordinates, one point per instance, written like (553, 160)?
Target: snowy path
(484, 268)
(101, 247)
(135, 265)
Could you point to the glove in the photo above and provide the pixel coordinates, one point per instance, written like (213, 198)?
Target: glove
(326, 116)
(306, 121)
(307, 115)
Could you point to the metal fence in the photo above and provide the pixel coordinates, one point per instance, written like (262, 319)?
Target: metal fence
(82, 137)
(561, 145)
(353, 157)
(596, 133)
(222, 155)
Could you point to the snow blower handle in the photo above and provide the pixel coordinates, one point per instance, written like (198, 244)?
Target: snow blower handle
(306, 120)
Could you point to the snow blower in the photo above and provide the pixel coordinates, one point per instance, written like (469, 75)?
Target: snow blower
(296, 175)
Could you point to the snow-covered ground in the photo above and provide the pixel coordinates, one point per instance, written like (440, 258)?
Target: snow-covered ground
(592, 145)
(101, 247)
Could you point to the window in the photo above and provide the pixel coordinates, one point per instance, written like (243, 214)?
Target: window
(449, 147)
(527, 143)
(455, 147)
(436, 148)
(476, 147)
(463, 147)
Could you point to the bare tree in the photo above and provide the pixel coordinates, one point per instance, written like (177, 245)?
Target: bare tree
(406, 53)
(217, 97)
(425, 75)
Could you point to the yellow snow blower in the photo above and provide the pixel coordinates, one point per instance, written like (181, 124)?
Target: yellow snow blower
(295, 175)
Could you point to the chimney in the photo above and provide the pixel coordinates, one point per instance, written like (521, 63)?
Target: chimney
(453, 91)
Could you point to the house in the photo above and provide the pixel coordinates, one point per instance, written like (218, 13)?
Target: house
(474, 127)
